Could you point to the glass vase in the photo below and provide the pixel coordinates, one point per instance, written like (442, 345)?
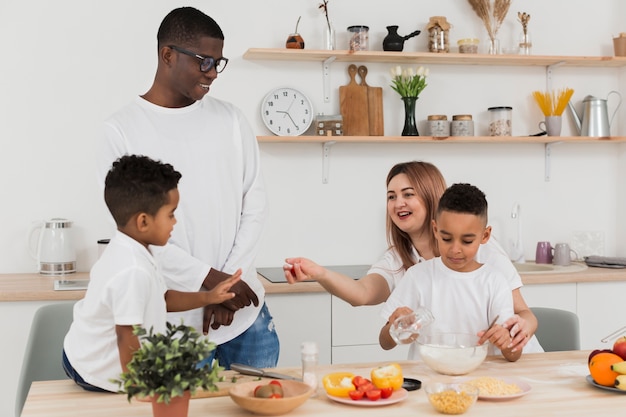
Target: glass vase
(525, 43)
(494, 46)
(330, 40)
(410, 126)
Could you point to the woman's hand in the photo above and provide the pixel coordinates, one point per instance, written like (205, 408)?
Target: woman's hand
(519, 332)
(302, 269)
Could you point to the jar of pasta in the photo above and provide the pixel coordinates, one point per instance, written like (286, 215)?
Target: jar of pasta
(500, 120)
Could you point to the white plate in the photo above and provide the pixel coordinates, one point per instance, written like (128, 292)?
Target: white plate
(595, 384)
(396, 397)
(525, 387)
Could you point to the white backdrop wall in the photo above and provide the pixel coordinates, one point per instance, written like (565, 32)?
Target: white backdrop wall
(66, 65)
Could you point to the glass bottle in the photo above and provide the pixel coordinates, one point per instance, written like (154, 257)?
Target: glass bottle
(329, 37)
(525, 43)
(310, 353)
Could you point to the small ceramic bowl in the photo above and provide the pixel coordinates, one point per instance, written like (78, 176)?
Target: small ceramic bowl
(451, 398)
(295, 394)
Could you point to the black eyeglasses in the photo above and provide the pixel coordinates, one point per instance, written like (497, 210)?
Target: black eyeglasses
(206, 62)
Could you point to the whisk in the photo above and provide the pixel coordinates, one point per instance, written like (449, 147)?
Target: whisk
(553, 103)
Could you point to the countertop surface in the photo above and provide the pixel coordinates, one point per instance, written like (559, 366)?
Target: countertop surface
(557, 382)
(37, 287)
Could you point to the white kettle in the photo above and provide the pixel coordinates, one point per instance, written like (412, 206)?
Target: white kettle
(55, 253)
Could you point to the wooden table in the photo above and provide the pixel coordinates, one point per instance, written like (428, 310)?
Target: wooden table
(557, 380)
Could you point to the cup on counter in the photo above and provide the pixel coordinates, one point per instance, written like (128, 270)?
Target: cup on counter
(552, 125)
(543, 255)
(563, 254)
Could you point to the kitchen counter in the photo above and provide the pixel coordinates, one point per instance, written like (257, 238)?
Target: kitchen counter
(557, 380)
(37, 287)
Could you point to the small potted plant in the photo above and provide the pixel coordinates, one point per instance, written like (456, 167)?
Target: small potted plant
(165, 369)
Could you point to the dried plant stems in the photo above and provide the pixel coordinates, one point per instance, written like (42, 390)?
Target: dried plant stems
(492, 14)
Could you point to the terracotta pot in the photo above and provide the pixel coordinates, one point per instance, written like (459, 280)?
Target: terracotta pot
(178, 407)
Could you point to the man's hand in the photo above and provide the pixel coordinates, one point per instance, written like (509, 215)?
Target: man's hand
(220, 315)
(244, 296)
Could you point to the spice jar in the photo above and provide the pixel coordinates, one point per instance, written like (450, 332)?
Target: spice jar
(500, 121)
(468, 45)
(438, 125)
(359, 38)
(438, 33)
(462, 125)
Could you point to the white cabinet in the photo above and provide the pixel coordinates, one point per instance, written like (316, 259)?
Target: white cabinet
(600, 308)
(355, 335)
(300, 318)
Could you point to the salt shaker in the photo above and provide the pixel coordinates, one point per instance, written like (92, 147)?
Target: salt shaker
(310, 353)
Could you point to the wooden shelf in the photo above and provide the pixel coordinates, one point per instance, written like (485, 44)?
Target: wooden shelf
(283, 54)
(430, 139)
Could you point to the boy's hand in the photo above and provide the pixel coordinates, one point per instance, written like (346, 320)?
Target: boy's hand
(221, 292)
(497, 335)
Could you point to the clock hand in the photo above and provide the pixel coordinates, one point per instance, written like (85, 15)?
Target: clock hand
(294, 123)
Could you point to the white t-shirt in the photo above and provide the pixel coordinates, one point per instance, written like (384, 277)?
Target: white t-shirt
(222, 205)
(125, 288)
(491, 253)
(463, 302)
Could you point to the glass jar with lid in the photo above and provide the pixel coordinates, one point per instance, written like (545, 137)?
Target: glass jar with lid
(462, 125)
(438, 34)
(500, 120)
(359, 38)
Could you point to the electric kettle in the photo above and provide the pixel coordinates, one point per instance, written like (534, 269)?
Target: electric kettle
(55, 253)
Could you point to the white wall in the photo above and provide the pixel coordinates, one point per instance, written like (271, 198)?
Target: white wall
(66, 65)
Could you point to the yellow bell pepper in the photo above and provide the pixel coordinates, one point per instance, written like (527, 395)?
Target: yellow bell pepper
(387, 376)
(338, 384)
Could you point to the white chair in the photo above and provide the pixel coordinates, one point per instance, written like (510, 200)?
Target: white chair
(43, 357)
(558, 329)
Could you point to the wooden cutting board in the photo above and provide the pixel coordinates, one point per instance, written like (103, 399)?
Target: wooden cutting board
(353, 103)
(374, 105)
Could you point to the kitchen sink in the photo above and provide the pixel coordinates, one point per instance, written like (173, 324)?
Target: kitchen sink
(533, 268)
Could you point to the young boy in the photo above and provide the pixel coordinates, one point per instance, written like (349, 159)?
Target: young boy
(463, 295)
(126, 287)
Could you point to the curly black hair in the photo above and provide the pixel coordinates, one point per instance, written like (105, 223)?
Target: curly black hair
(464, 198)
(137, 184)
(183, 27)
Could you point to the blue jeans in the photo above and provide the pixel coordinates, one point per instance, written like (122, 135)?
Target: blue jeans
(74, 376)
(258, 346)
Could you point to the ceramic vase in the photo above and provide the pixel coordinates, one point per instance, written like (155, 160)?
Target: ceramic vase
(410, 126)
(178, 407)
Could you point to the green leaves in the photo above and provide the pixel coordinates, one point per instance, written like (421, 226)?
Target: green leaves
(166, 365)
(408, 82)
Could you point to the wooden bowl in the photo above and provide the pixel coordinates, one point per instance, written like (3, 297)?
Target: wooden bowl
(295, 394)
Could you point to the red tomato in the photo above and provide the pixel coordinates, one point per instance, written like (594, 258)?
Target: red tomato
(373, 394)
(356, 395)
(357, 381)
(256, 389)
(368, 386)
(274, 382)
(275, 395)
(386, 392)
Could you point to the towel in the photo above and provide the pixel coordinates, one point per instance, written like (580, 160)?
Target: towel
(605, 261)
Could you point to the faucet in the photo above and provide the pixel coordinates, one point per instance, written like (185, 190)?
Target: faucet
(517, 254)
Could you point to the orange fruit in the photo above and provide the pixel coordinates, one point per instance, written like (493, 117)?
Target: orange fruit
(600, 368)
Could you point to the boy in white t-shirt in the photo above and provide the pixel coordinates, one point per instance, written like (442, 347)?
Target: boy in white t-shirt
(463, 295)
(126, 287)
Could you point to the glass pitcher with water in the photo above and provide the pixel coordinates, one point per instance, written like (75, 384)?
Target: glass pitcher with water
(405, 329)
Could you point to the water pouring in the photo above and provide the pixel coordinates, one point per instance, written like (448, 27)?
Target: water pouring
(595, 117)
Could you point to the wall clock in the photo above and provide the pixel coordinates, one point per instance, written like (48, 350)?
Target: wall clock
(286, 112)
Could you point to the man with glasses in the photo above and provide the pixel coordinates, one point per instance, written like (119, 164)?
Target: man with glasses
(223, 204)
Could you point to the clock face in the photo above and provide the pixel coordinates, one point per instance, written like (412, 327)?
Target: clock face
(286, 112)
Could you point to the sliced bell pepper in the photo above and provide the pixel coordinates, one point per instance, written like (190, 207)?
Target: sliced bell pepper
(387, 376)
(338, 384)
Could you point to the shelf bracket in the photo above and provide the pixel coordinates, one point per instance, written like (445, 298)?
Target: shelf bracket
(549, 69)
(548, 159)
(326, 77)
(326, 159)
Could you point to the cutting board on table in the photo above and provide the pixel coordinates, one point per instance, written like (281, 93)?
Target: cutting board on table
(374, 105)
(353, 103)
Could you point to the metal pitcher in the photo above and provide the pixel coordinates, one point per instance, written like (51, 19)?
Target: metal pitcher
(595, 119)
